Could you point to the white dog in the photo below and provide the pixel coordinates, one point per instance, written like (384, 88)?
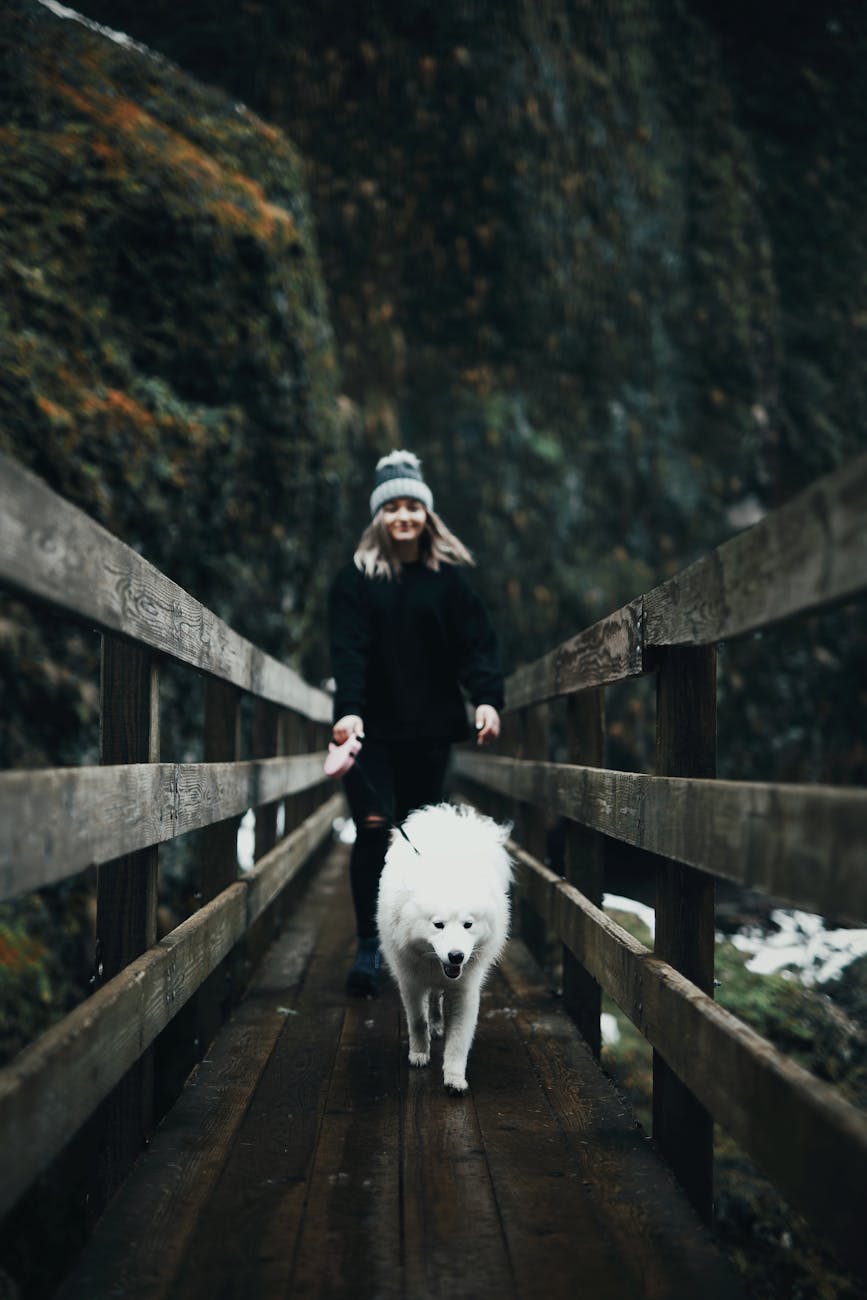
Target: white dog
(443, 917)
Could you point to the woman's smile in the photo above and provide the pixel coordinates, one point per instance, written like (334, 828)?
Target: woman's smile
(404, 520)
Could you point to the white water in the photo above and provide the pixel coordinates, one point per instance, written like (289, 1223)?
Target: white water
(801, 944)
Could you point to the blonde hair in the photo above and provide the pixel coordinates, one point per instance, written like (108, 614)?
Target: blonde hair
(375, 554)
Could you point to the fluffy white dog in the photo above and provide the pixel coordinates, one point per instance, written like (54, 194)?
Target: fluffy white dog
(443, 917)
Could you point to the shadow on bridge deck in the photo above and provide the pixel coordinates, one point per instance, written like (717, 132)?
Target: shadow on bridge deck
(305, 1158)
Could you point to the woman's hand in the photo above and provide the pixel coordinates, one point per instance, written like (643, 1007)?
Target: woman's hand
(349, 725)
(487, 724)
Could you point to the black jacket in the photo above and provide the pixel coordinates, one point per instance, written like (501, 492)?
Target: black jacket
(401, 649)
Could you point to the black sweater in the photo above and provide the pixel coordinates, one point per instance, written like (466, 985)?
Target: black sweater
(401, 649)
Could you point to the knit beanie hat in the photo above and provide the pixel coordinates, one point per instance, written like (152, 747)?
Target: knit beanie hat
(399, 475)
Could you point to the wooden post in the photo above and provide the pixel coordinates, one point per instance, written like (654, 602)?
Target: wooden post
(267, 731)
(266, 726)
(294, 745)
(218, 846)
(685, 746)
(535, 741)
(584, 861)
(126, 891)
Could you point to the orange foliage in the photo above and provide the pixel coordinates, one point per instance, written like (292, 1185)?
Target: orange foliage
(18, 957)
(53, 410)
(250, 212)
(116, 402)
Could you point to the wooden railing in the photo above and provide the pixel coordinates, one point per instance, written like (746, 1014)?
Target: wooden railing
(58, 822)
(801, 844)
(805, 845)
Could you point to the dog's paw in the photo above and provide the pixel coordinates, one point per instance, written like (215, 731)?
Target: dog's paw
(456, 1084)
(419, 1059)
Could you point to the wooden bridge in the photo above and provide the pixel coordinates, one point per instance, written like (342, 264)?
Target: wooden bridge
(302, 1156)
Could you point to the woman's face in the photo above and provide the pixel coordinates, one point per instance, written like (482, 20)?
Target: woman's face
(404, 519)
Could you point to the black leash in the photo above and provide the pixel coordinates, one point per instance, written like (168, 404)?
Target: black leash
(379, 799)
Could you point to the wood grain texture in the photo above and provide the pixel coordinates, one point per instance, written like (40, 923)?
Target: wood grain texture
(807, 554)
(61, 820)
(557, 1246)
(52, 550)
(805, 845)
(810, 1142)
(609, 651)
(454, 1242)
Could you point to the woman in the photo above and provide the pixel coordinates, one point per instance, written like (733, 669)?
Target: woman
(406, 634)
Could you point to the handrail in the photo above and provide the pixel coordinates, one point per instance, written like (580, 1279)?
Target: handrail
(808, 555)
(52, 1087)
(809, 1140)
(51, 550)
(58, 822)
(61, 820)
(805, 845)
(802, 844)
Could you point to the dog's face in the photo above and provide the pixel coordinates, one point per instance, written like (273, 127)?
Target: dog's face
(453, 937)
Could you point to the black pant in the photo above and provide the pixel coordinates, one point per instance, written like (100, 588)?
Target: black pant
(389, 780)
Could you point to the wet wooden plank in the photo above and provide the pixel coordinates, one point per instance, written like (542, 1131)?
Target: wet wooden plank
(244, 1244)
(52, 550)
(140, 1243)
(343, 1173)
(455, 1244)
(556, 1246)
(661, 1248)
(350, 1237)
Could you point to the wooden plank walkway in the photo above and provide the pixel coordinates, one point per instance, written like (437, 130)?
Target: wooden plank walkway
(305, 1158)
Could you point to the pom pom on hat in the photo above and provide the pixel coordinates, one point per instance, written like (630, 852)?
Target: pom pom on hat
(399, 475)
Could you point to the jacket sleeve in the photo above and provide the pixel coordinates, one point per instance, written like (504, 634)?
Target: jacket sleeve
(350, 636)
(478, 660)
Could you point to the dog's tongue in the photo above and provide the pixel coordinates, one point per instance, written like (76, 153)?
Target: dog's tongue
(453, 972)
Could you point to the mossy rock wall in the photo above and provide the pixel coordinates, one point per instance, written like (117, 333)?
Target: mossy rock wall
(168, 358)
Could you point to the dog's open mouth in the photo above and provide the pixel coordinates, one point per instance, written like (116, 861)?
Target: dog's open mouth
(452, 972)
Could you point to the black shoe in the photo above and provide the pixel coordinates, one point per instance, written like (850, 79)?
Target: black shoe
(363, 978)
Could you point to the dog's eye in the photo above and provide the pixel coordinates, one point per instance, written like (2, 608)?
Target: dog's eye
(439, 925)
(468, 925)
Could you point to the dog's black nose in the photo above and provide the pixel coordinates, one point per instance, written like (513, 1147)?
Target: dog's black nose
(455, 958)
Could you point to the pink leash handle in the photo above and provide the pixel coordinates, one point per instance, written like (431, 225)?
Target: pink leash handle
(341, 758)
